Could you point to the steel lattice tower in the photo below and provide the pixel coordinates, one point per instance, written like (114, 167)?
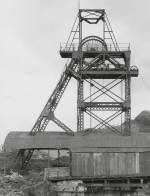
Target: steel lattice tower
(107, 60)
(92, 59)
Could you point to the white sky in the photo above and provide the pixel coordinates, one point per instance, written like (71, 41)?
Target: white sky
(30, 65)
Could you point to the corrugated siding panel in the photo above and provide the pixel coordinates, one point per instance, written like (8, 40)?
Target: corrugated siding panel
(74, 166)
(138, 163)
(99, 164)
(105, 164)
(82, 164)
(145, 163)
(113, 164)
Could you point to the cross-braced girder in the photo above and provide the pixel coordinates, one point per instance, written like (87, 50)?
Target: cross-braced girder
(104, 89)
(103, 122)
(116, 103)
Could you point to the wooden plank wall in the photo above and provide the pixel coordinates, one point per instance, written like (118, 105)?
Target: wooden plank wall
(105, 164)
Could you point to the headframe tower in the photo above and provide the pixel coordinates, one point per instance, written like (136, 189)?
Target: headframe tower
(95, 61)
(101, 59)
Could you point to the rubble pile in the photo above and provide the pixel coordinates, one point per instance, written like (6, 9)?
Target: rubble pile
(17, 185)
(71, 187)
(10, 185)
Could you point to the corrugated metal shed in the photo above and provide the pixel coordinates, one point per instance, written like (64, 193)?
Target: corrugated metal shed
(105, 164)
(92, 155)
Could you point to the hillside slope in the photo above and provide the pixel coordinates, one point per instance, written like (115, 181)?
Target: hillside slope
(142, 121)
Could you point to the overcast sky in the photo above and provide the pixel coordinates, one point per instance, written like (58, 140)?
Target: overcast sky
(30, 65)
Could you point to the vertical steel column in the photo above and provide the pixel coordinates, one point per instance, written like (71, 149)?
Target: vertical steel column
(80, 113)
(104, 26)
(127, 128)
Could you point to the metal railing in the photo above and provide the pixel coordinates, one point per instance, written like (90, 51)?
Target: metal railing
(93, 47)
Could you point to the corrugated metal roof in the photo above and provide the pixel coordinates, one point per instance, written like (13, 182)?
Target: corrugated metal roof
(93, 142)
